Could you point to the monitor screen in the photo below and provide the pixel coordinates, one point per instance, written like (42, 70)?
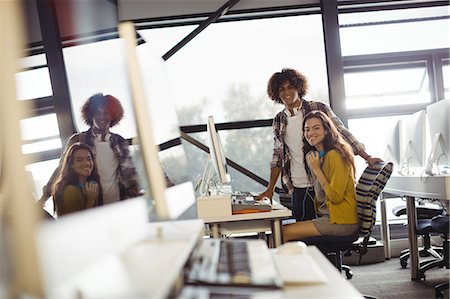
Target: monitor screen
(157, 123)
(70, 248)
(217, 153)
(393, 149)
(414, 140)
(438, 115)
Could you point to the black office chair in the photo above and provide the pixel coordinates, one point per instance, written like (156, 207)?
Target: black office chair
(369, 187)
(439, 224)
(424, 215)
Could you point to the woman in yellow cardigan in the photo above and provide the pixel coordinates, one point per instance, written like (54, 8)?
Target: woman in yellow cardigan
(331, 167)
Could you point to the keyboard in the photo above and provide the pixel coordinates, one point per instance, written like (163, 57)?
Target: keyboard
(231, 262)
(298, 269)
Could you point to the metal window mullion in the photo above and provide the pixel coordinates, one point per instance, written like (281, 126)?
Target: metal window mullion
(431, 78)
(211, 19)
(438, 77)
(58, 77)
(334, 61)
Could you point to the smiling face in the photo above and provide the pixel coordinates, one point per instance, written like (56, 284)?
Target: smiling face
(102, 120)
(315, 132)
(82, 164)
(289, 95)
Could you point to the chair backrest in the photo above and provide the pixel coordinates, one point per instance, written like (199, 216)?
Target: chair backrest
(369, 187)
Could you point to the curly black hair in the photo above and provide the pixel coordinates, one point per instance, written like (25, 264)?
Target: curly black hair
(98, 100)
(294, 77)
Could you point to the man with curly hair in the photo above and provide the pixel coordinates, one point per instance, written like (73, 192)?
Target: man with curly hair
(289, 87)
(117, 171)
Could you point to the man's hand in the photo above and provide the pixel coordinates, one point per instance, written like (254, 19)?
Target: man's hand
(373, 160)
(268, 193)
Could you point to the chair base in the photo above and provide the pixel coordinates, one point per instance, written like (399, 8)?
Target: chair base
(438, 289)
(435, 252)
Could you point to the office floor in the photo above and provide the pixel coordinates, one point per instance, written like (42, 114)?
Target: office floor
(387, 280)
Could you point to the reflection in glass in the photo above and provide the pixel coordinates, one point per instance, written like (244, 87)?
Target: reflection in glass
(33, 84)
(39, 127)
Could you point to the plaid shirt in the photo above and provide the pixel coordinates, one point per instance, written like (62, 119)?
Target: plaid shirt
(281, 157)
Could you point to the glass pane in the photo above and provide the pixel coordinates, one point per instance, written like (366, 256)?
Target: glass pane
(225, 75)
(33, 61)
(386, 88)
(33, 84)
(39, 127)
(99, 67)
(392, 15)
(41, 172)
(383, 38)
(40, 146)
(252, 149)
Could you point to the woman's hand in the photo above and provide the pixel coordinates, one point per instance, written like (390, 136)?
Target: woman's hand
(91, 192)
(313, 160)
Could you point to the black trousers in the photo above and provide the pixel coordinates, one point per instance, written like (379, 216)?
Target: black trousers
(303, 204)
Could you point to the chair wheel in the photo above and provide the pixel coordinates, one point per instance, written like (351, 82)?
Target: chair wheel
(439, 294)
(403, 263)
(348, 273)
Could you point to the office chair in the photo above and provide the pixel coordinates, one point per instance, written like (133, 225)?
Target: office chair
(424, 229)
(369, 187)
(439, 224)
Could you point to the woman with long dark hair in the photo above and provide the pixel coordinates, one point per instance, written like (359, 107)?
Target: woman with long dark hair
(77, 185)
(331, 168)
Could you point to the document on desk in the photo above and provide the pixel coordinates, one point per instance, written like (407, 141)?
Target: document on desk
(298, 269)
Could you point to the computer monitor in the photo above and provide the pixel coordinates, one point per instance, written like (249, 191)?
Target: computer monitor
(156, 123)
(217, 153)
(414, 140)
(438, 115)
(393, 149)
(75, 252)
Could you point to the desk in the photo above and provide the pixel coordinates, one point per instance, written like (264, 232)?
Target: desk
(335, 287)
(251, 222)
(412, 187)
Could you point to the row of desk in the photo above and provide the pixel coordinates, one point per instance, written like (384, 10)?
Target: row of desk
(412, 187)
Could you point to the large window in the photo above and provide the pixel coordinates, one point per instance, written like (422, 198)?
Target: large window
(394, 30)
(224, 70)
(395, 58)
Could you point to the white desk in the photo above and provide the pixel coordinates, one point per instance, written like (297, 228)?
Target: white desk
(412, 187)
(336, 286)
(251, 222)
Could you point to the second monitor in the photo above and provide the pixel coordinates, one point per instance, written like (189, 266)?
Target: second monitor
(414, 141)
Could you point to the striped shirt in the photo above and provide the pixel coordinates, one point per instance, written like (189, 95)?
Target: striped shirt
(281, 157)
